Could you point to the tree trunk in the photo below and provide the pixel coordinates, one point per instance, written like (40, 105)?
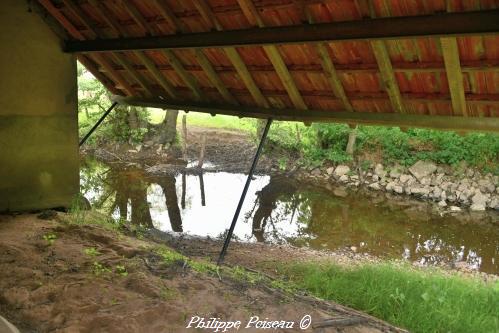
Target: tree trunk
(352, 136)
(133, 118)
(168, 128)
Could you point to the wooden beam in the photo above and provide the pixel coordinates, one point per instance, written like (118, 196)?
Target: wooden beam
(103, 62)
(109, 84)
(77, 11)
(326, 62)
(151, 67)
(121, 59)
(172, 58)
(332, 75)
(213, 76)
(234, 57)
(85, 60)
(389, 82)
(186, 76)
(400, 67)
(108, 17)
(437, 25)
(454, 75)
(487, 124)
(275, 57)
(170, 16)
(201, 58)
(387, 75)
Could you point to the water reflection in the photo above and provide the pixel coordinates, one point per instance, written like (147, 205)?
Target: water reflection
(280, 210)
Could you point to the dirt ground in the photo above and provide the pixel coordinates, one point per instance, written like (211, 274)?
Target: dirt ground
(225, 150)
(57, 276)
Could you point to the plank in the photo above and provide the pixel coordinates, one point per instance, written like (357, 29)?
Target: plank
(487, 124)
(400, 27)
(234, 57)
(454, 75)
(275, 57)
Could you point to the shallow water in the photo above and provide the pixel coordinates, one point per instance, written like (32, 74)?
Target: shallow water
(280, 210)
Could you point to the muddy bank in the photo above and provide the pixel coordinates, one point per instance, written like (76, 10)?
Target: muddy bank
(58, 276)
(269, 256)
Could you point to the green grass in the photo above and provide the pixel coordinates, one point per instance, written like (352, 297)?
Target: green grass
(205, 120)
(416, 300)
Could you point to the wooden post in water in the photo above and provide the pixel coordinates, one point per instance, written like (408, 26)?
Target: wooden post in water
(184, 137)
(201, 185)
(184, 188)
(201, 152)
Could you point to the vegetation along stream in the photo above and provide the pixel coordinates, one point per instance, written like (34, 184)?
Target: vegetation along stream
(281, 210)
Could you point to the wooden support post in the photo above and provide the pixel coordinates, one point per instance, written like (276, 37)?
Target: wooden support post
(202, 151)
(184, 137)
(184, 189)
(201, 186)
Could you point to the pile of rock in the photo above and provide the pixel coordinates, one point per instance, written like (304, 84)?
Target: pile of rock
(427, 181)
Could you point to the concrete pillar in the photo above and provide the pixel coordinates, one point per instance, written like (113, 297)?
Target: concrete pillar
(38, 114)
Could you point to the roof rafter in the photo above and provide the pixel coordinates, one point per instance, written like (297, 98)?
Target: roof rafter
(203, 61)
(454, 75)
(326, 61)
(108, 17)
(234, 57)
(172, 58)
(389, 82)
(275, 57)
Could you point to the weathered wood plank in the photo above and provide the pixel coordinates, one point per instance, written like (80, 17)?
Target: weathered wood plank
(387, 75)
(454, 75)
(185, 75)
(233, 55)
(103, 62)
(275, 57)
(436, 25)
(133, 73)
(151, 67)
(110, 20)
(487, 124)
(201, 58)
(326, 62)
(213, 76)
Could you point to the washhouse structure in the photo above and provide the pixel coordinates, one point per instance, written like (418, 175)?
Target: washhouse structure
(407, 63)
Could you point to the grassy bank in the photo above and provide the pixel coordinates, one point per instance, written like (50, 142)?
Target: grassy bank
(416, 300)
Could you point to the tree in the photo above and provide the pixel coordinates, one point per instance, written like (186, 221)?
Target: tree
(167, 131)
(352, 137)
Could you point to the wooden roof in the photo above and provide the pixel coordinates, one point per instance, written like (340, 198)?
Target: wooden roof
(426, 63)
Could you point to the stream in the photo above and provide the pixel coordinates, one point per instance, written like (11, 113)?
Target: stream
(281, 210)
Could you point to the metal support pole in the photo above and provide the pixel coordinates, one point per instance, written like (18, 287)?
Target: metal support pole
(98, 123)
(243, 195)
